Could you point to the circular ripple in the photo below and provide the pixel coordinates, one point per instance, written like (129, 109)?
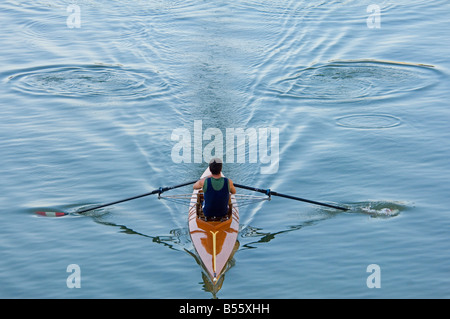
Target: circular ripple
(87, 80)
(368, 121)
(355, 80)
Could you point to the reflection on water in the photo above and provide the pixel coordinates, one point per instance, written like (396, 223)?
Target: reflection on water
(250, 237)
(179, 239)
(207, 285)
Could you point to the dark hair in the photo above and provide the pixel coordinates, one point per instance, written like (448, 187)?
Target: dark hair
(215, 168)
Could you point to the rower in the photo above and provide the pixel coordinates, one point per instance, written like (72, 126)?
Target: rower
(216, 191)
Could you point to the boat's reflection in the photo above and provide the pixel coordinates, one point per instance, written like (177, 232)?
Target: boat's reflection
(207, 284)
(250, 236)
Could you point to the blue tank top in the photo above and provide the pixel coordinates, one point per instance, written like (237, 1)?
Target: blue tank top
(216, 201)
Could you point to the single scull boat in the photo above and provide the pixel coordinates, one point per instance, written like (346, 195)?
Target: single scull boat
(214, 241)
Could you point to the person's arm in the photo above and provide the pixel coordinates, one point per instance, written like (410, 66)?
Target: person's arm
(199, 184)
(232, 188)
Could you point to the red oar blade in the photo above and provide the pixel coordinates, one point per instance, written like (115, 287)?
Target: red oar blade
(52, 214)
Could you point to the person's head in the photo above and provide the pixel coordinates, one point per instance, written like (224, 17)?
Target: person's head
(215, 166)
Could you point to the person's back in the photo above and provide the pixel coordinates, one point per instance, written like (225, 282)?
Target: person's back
(216, 190)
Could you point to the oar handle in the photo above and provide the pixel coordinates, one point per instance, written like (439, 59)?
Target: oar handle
(269, 192)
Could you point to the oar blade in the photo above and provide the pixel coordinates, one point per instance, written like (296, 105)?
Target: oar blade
(51, 214)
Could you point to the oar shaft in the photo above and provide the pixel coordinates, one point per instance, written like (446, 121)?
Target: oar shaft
(269, 192)
(308, 201)
(156, 191)
(114, 203)
(252, 188)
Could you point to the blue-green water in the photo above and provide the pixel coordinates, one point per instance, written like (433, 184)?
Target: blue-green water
(360, 101)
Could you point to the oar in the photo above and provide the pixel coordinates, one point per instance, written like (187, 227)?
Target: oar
(156, 191)
(269, 192)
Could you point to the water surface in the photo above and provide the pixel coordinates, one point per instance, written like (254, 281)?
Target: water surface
(87, 116)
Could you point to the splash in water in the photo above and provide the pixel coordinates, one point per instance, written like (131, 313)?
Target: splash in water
(379, 209)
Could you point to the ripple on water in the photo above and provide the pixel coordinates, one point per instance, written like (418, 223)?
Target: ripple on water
(355, 80)
(112, 81)
(368, 121)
